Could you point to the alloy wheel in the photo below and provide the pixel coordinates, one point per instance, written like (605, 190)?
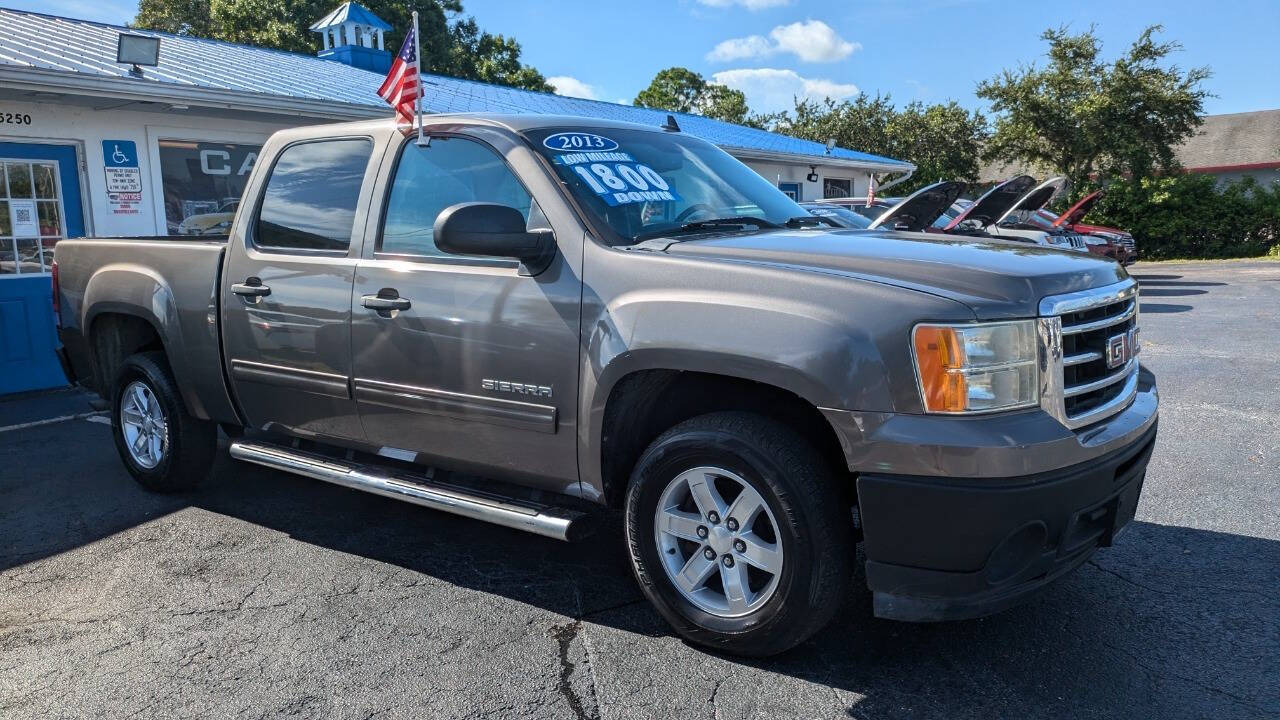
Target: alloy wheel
(718, 542)
(143, 422)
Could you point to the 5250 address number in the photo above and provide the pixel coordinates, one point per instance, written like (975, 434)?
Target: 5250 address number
(15, 118)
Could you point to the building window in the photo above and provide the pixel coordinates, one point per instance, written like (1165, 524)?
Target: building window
(202, 184)
(837, 188)
(310, 200)
(433, 177)
(791, 190)
(30, 215)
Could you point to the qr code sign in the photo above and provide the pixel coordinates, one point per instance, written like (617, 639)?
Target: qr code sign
(22, 215)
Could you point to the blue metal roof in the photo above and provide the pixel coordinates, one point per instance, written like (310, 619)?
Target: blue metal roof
(89, 48)
(351, 12)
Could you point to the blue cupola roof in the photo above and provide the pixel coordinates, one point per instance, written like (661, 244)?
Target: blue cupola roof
(350, 12)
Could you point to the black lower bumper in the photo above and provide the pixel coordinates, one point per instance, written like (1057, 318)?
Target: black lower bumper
(939, 549)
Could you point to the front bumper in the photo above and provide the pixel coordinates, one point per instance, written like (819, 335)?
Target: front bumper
(965, 516)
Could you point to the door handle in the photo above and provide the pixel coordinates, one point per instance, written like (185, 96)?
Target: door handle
(251, 287)
(385, 301)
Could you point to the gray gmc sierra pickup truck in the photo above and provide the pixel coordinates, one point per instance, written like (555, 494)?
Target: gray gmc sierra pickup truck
(529, 318)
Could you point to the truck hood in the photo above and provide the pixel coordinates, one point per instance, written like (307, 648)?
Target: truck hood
(997, 279)
(1076, 213)
(919, 209)
(995, 203)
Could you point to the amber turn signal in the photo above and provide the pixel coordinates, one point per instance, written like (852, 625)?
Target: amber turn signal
(940, 357)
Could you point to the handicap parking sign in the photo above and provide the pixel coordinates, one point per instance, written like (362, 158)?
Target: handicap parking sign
(120, 158)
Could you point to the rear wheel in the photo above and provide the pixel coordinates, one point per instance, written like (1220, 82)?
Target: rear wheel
(163, 447)
(737, 535)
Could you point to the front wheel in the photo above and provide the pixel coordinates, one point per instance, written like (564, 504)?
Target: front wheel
(737, 534)
(164, 448)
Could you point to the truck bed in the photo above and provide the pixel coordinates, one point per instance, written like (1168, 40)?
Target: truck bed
(169, 282)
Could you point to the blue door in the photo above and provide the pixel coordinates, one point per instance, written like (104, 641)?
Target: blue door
(39, 205)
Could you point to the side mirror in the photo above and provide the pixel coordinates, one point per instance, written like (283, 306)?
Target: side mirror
(491, 230)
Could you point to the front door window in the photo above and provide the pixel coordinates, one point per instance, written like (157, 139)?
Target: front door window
(31, 215)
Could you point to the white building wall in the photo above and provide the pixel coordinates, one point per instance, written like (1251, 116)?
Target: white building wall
(87, 128)
(779, 173)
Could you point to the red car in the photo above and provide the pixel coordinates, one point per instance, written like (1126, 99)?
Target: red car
(1119, 244)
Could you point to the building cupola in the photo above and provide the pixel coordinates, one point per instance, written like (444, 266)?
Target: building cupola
(352, 34)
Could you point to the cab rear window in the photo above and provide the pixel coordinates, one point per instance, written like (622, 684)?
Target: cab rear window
(311, 196)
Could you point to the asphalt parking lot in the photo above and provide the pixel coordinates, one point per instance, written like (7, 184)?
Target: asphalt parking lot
(268, 595)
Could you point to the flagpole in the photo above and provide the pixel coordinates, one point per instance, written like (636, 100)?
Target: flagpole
(417, 66)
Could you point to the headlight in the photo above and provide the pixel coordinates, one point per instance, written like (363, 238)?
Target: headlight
(977, 368)
(1092, 240)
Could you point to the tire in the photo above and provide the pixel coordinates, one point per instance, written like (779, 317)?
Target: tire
(180, 451)
(799, 499)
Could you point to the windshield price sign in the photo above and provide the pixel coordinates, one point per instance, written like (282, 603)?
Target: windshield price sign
(616, 177)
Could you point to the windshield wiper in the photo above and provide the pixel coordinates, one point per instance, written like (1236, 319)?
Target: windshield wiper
(710, 224)
(727, 222)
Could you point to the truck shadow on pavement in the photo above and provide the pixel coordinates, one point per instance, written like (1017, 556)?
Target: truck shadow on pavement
(1173, 621)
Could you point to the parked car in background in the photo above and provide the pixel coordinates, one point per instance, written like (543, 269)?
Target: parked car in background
(1004, 210)
(1120, 244)
(921, 209)
(837, 215)
(214, 223)
(859, 205)
(532, 317)
(914, 213)
(1021, 218)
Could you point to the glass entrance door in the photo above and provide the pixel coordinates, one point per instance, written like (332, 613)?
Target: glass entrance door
(40, 204)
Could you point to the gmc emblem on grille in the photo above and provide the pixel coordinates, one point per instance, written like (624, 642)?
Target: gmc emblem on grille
(1121, 349)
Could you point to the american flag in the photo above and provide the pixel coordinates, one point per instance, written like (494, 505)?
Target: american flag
(402, 86)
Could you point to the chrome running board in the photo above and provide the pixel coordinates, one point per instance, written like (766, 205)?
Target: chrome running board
(546, 520)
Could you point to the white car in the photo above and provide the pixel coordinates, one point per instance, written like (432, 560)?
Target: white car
(1005, 210)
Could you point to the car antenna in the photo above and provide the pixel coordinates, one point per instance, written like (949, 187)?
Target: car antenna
(671, 125)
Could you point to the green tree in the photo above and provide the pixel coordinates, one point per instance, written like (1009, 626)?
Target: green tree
(451, 45)
(1082, 116)
(944, 141)
(682, 90)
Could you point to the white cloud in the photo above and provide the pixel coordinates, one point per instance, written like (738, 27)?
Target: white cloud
(773, 89)
(752, 46)
(752, 5)
(572, 87)
(811, 41)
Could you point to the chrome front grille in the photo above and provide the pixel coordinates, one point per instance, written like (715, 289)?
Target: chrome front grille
(1089, 366)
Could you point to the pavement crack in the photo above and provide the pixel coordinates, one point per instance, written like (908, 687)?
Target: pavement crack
(565, 635)
(711, 700)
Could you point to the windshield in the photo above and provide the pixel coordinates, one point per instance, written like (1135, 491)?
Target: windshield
(646, 184)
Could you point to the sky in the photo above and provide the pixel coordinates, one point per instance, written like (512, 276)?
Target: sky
(774, 50)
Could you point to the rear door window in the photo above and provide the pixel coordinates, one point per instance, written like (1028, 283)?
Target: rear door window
(311, 196)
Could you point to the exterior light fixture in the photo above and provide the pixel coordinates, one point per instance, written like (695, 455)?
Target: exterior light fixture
(138, 50)
(813, 174)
